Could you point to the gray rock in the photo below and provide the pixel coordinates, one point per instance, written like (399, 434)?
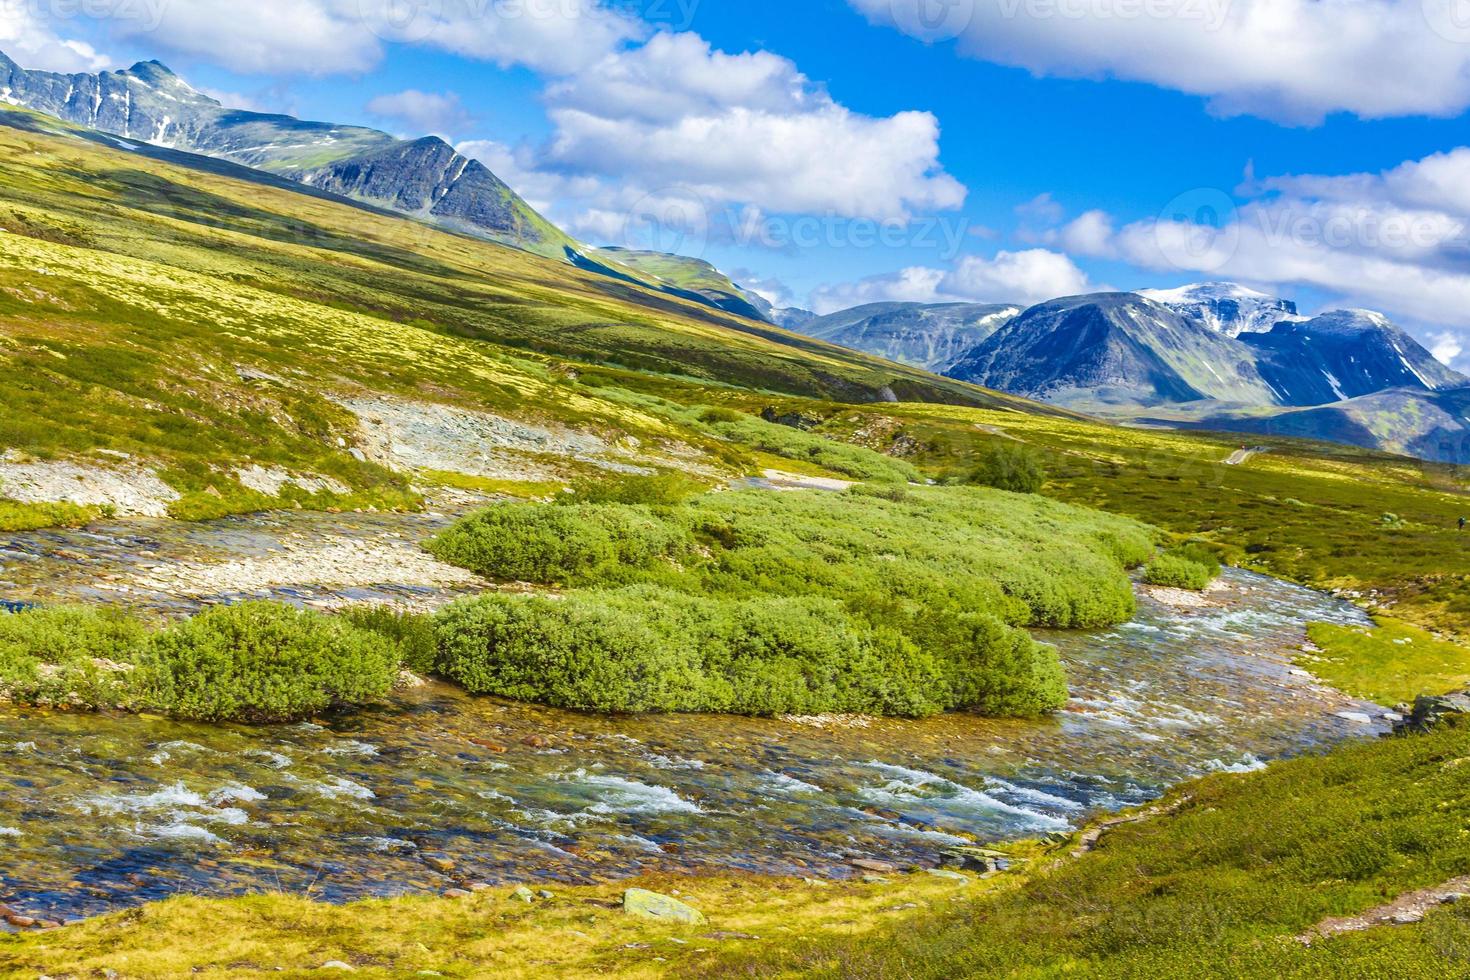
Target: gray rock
(651, 905)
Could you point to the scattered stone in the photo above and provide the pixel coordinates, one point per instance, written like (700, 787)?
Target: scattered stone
(791, 420)
(457, 893)
(730, 936)
(651, 905)
(877, 867)
(21, 921)
(523, 894)
(478, 886)
(337, 965)
(536, 741)
(495, 747)
(949, 875)
(439, 863)
(876, 880)
(543, 893)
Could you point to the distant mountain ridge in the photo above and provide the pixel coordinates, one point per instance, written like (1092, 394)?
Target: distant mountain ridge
(933, 336)
(1122, 350)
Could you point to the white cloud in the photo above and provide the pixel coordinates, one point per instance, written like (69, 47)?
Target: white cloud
(1446, 346)
(1291, 60)
(311, 37)
(1024, 278)
(1395, 241)
(325, 37)
(1089, 234)
(747, 128)
(36, 44)
(422, 112)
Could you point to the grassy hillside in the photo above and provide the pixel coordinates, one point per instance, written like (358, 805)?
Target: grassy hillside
(198, 324)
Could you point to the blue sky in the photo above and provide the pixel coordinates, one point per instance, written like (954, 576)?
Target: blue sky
(838, 151)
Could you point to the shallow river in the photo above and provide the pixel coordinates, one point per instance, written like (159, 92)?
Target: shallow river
(98, 812)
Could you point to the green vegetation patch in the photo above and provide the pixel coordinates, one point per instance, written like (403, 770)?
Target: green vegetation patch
(888, 600)
(1393, 663)
(256, 662)
(1190, 566)
(647, 649)
(264, 662)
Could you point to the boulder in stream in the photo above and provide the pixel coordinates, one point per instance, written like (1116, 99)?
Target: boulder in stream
(1430, 711)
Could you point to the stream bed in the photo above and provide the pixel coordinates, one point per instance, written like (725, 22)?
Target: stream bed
(99, 812)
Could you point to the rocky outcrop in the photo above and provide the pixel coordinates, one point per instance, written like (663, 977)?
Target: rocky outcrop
(1430, 711)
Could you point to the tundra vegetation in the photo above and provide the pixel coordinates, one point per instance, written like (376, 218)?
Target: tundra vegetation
(197, 323)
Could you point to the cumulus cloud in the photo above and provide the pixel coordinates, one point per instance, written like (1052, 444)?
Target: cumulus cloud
(323, 37)
(37, 44)
(1024, 278)
(1290, 60)
(744, 128)
(1446, 346)
(422, 112)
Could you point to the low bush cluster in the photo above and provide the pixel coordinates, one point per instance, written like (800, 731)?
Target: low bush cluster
(256, 662)
(890, 600)
(648, 649)
(1190, 566)
(263, 662)
(1016, 468)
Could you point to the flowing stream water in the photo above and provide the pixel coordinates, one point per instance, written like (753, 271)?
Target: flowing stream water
(105, 811)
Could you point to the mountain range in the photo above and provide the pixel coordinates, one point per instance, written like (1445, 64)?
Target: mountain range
(933, 337)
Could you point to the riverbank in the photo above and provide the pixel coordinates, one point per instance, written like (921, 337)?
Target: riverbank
(375, 804)
(1219, 884)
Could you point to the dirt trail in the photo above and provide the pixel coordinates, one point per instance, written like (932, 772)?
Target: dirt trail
(1242, 456)
(1402, 911)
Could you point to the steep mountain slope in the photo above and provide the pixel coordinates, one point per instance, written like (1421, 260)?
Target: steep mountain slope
(1114, 349)
(692, 278)
(930, 336)
(188, 326)
(426, 177)
(1345, 354)
(1225, 307)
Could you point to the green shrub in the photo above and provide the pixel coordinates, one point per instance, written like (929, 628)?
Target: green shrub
(1015, 468)
(75, 655)
(665, 488)
(262, 662)
(553, 544)
(840, 457)
(1176, 572)
(412, 634)
(655, 650)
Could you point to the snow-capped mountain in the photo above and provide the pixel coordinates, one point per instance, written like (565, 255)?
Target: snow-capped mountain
(930, 336)
(1115, 349)
(1118, 351)
(1226, 307)
(1345, 354)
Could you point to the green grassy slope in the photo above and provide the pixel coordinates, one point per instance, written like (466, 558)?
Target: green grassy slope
(199, 322)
